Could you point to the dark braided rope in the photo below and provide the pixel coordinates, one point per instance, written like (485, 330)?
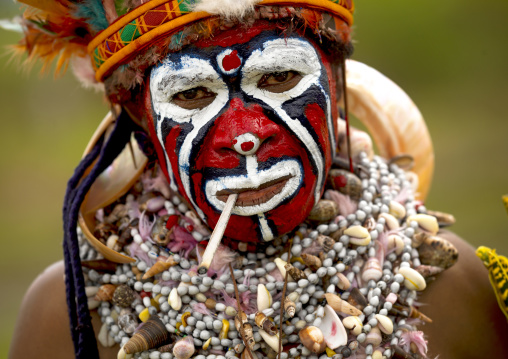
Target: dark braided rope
(69, 196)
(85, 345)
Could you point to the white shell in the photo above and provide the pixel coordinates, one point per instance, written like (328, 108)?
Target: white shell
(395, 242)
(123, 355)
(353, 323)
(174, 299)
(271, 340)
(280, 263)
(344, 283)
(425, 222)
(412, 279)
(397, 210)
(333, 330)
(390, 221)
(384, 323)
(372, 270)
(358, 235)
(105, 338)
(264, 298)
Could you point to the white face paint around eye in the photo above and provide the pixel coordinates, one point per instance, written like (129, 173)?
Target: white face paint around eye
(281, 55)
(168, 79)
(289, 55)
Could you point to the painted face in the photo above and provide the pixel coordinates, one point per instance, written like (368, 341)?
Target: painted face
(252, 118)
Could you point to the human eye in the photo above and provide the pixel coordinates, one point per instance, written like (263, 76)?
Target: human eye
(278, 82)
(194, 98)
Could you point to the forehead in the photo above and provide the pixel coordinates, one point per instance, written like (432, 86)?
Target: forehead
(229, 52)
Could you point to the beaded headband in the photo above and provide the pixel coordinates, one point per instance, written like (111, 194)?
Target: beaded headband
(155, 19)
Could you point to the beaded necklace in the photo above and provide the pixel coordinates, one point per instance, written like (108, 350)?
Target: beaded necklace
(353, 277)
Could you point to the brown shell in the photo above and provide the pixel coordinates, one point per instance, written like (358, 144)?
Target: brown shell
(160, 234)
(404, 161)
(124, 296)
(357, 299)
(324, 211)
(263, 322)
(436, 251)
(289, 307)
(325, 242)
(294, 272)
(105, 292)
(443, 219)
(340, 305)
(159, 267)
(248, 335)
(312, 338)
(313, 262)
(152, 334)
(345, 182)
(210, 303)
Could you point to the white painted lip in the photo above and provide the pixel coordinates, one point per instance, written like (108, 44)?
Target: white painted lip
(286, 170)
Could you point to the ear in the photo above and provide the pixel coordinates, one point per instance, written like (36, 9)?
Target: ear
(139, 107)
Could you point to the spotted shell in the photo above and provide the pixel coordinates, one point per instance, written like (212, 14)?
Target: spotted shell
(438, 252)
(324, 211)
(152, 334)
(123, 296)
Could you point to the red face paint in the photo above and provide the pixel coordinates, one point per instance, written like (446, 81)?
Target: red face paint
(231, 61)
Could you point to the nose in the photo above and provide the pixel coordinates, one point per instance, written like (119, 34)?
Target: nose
(243, 128)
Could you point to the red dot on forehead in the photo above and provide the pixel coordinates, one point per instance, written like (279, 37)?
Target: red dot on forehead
(247, 146)
(231, 61)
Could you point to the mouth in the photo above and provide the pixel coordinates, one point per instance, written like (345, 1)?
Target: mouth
(258, 191)
(251, 197)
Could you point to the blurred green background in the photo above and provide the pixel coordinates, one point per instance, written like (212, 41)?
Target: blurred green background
(450, 56)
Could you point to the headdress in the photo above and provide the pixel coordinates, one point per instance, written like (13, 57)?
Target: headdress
(115, 41)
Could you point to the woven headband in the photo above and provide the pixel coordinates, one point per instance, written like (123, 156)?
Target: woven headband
(158, 18)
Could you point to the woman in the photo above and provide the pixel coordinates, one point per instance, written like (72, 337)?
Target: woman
(247, 116)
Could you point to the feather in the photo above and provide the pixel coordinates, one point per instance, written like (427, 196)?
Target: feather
(110, 10)
(346, 205)
(201, 308)
(415, 337)
(50, 6)
(84, 72)
(93, 12)
(181, 241)
(221, 259)
(145, 227)
(226, 8)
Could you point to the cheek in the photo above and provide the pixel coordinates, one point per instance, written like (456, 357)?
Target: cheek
(217, 158)
(317, 119)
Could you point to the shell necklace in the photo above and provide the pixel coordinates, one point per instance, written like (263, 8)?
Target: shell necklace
(353, 277)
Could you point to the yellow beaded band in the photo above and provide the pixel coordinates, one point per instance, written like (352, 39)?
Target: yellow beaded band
(155, 19)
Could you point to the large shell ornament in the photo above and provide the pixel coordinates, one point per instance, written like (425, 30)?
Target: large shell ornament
(113, 183)
(346, 183)
(152, 334)
(392, 119)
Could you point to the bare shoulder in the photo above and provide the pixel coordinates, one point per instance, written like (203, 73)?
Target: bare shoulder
(42, 329)
(467, 322)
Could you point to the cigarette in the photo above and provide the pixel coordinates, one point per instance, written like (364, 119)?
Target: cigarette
(217, 234)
